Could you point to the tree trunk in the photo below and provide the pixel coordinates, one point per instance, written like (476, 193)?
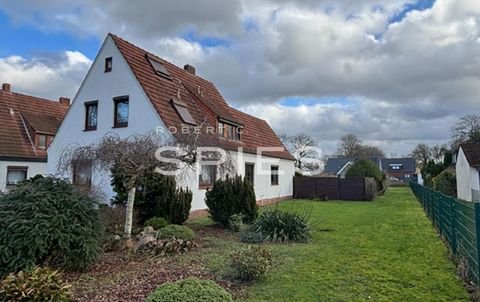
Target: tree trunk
(129, 216)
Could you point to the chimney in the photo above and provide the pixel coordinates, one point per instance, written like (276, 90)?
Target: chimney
(189, 68)
(64, 101)
(6, 87)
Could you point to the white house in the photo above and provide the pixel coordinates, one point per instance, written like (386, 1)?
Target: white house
(468, 172)
(27, 128)
(131, 91)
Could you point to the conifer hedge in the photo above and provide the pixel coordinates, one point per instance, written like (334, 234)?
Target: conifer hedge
(232, 196)
(158, 197)
(46, 221)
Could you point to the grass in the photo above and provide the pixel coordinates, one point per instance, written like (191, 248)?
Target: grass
(384, 250)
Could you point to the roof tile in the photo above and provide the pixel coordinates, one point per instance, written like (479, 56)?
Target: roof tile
(202, 98)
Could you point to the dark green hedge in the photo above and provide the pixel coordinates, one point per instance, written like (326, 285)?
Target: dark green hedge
(46, 221)
(232, 196)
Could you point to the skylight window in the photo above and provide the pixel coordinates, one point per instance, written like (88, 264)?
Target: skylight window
(183, 112)
(158, 67)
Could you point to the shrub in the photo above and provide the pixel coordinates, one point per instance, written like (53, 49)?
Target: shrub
(190, 290)
(39, 284)
(47, 221)
(232, 196)
(113, 219)
(365, 168)
(251, 263)
(235, 222)
(176, 231)
(159, 197)
(251, 237)
(156, 223)
(430, 171)
(446, 182)
(280, 226)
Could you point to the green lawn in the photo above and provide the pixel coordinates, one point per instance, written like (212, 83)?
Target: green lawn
(384, 250)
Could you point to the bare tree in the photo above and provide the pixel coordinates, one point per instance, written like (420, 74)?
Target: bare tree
(422, 153)
(369, 151)
(134, 157)
(349, 145)
(438, 152)
(300, 146)
(466, 130)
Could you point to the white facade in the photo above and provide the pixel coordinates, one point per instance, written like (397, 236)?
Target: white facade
(33, 168)
(468, 179)
(264, 190)
(103, 87)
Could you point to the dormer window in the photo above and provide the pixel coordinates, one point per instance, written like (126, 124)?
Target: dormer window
(396, 166)
(158, 67)
(229, 131)
(183, 112)
(108, 64)
(42, 141)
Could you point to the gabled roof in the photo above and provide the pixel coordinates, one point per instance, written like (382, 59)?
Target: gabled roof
(20, 111)
(407, 163)
(472, 153)
(202, 99)
(335, 164)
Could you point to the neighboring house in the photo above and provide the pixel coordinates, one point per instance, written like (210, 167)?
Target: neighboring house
(400, 169)
(468, 172)
(27, 128)
(131, 91)
(338, 166)
(396, 169)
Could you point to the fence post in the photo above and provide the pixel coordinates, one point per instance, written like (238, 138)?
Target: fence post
(453, 221)
(477, 237)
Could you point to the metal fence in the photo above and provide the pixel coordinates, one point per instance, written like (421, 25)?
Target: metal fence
(457, 221)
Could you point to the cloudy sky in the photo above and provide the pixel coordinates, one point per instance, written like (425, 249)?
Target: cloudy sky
(393, 72)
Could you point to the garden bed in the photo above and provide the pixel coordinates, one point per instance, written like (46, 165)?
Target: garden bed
(380, 251)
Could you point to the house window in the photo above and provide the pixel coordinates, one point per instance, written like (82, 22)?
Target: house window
(121, 112)
(91, 114)
(158, 67)
(16, 174)
(274, 175)
(396, 166)
(42, 141)
(221, 128)
(208, 175)
(183, 112)
(229, 131)
(108, 64)
(82, 173)
(250, 173)
(238, 132)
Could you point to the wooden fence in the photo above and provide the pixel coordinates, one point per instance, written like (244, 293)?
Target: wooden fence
(457, 221)
(334, 188)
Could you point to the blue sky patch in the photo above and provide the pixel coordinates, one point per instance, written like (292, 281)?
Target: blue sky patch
(418, 5)
(311, 101)
(27, 42)
(206, 41)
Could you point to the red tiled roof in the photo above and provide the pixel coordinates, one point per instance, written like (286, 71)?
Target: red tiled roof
(472, 153)
(17, 113)
(202, 98)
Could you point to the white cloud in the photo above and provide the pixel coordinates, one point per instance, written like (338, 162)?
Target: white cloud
(408, 80)
(49, 76)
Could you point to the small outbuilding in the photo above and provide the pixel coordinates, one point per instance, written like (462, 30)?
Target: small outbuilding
(468, 172)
